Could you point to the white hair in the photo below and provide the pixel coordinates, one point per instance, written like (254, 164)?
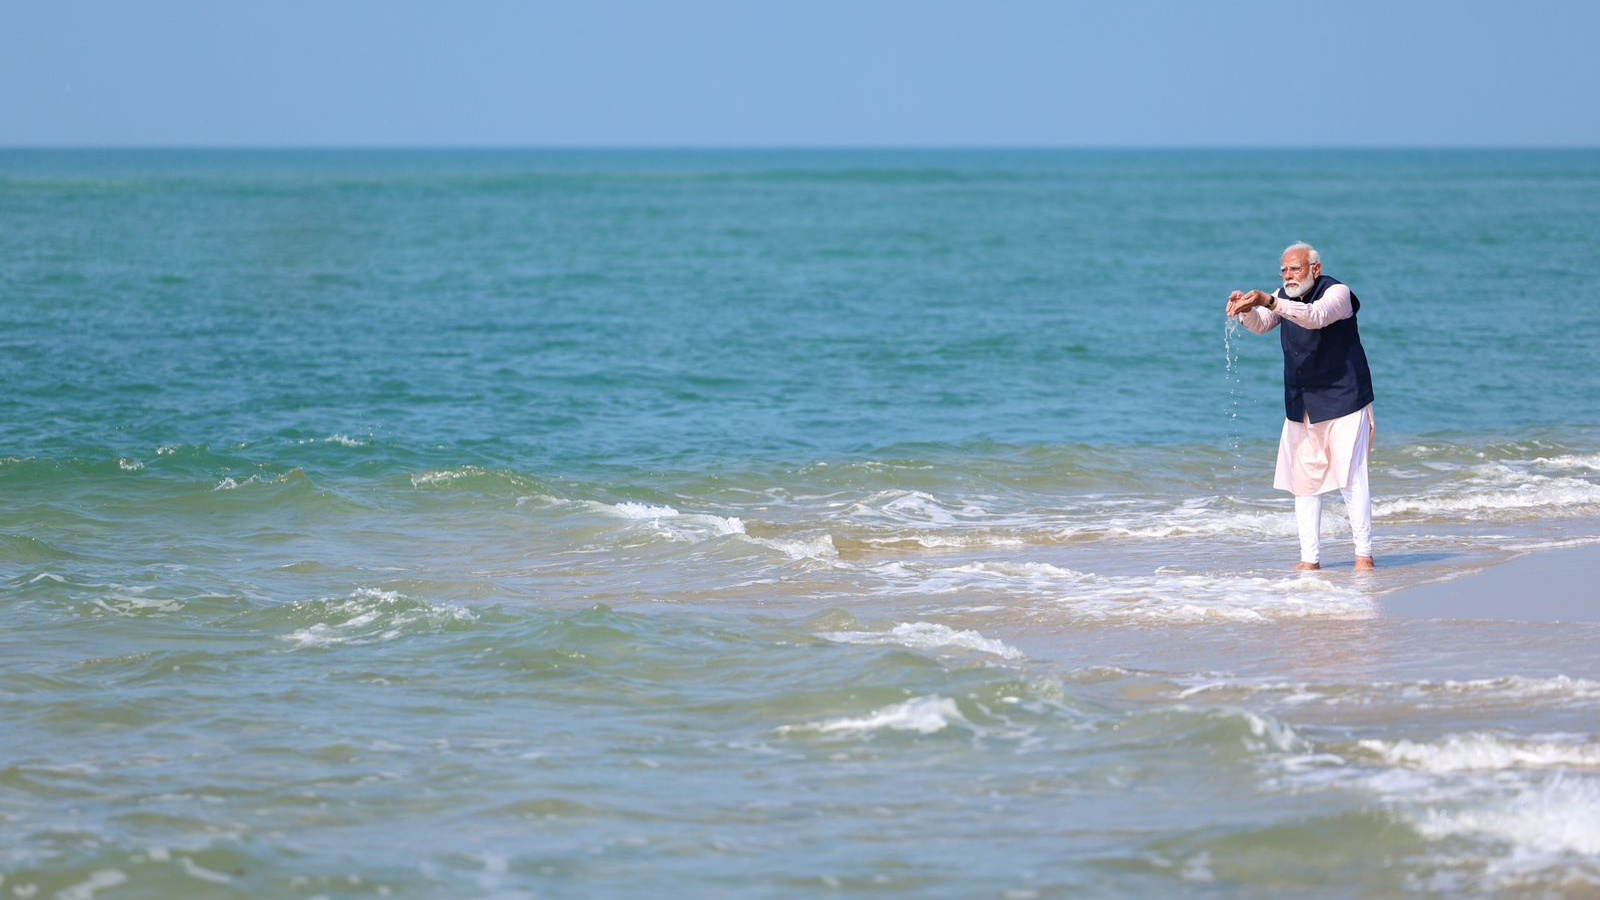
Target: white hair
(1312, 256)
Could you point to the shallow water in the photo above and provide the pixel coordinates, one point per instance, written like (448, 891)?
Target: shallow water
(773, 524)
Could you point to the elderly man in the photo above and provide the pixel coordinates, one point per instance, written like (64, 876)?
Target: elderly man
(1327, 397)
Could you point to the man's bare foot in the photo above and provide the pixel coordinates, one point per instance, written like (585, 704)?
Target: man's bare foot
(1365, 564)
(1307, 567)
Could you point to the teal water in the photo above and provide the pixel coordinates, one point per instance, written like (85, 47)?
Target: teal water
(761, 523)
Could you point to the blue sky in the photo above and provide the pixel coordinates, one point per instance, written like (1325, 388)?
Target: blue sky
(1141, 73)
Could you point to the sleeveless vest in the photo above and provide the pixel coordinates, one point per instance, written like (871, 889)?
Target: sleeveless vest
(1325, 372)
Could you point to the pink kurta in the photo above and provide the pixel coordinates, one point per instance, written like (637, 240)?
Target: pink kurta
(1315, 458)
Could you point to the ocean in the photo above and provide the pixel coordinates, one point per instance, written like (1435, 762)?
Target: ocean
(760, 523)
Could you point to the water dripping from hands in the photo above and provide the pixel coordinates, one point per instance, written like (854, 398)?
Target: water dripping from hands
(1231, 355)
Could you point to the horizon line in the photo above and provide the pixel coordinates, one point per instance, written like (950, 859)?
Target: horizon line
(758, 147)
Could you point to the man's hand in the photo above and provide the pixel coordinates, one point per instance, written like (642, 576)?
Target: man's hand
(1240, 302)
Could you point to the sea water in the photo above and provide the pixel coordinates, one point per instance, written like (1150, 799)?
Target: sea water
(768, 524)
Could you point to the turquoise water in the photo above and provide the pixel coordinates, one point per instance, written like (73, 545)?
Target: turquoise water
(758, 523)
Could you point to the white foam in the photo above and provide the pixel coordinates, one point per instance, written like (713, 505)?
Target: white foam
(1556, 818)
(631, 510)
(105, 879)
(1520, 546)
(914, 507)
(1210, 523)
(821, 547)
(129, 465)
(1198, 869)
(706, 524)
(972, 539)
(124, 605)
(1484, 752)
(1006, 579)
(1199, 598)
(1510, 690)
(85, 769)
(947, 526)
(928, 635)
(371, 616)
(1500, 489)
(1025, 570)
(445, 476)
(1517, 688)
(1157, 598)
(924, 715)
(231, 484)
(1266, 732)
(1480, 694)
(200, 873)
(1590, 462)
(677, 526)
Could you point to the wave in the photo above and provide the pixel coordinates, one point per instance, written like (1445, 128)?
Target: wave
(1227, 730)
(229, 483)
(1501, 814)
(916, 507)
(922, 715)
(927, 635)
(673, 525)
(26, 549)
(366, 616)
(1581, 462)
(1498, 493)
(136, 868)
(1479, 752)
(478, 480)
(1544, 825)
(341, 440)
(1162, 598)
(1510, 691)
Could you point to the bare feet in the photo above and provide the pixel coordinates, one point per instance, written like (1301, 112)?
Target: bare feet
(1365, 564)
(1307, 567)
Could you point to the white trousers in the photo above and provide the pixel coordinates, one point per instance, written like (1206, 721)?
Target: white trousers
(1357, 502)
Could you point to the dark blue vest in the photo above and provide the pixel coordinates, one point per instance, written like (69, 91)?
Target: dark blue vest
(1325, 372)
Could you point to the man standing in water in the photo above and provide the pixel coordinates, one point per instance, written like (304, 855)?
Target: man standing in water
(1327, 397)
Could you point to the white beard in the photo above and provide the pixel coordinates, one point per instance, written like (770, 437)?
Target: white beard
(1300, 289)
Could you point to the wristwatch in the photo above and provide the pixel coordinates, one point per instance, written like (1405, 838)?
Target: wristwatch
(1272, 301)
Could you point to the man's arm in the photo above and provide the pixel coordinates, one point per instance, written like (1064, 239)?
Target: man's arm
(1260, 320)
(1252, 311)
(1332, 306)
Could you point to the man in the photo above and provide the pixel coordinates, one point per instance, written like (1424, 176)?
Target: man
(1327, 397)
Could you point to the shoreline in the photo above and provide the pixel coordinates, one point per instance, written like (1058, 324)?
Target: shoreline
(1552, 585)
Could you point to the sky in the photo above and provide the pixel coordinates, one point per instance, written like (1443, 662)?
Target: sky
(786, 73)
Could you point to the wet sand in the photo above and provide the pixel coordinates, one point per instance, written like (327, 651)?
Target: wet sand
(1561, 585)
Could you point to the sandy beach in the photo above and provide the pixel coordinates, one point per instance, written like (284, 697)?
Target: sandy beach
(1557, 585)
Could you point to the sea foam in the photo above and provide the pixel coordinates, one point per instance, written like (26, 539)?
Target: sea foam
(1497, 491)
(928, 635)
(1541, 823)
(923, 715)
(102, 880)
(1154, 598)
(445, 476)
(1485, 752)
(370, 616)
(677, 526)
